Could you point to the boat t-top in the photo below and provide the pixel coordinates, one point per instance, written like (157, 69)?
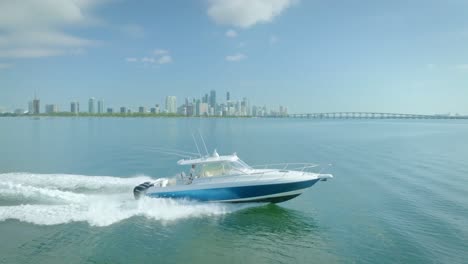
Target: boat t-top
(227, 178)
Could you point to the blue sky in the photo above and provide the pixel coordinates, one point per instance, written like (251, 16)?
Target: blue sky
(311, 56)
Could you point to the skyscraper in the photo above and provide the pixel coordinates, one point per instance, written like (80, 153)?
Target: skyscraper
(246, 106)
(51, 108)
(171, 104)
(197, 107)
(213, 99)
(75, 107)
(100, 107)
(36, 106)
(203, 109)
(91, 107)
(228, 97)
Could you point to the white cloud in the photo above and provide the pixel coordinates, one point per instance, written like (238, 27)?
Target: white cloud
(236, 57)
(158, 56)
(35, 28)
(148, 60)
(231, 33)
(242, 44)
(30, 53)
(131, 59)
(246, 13)
(431, 66)
(165, 59)
(4, 66)
(159, 52)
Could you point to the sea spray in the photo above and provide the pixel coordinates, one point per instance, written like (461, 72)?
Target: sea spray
(63, 198)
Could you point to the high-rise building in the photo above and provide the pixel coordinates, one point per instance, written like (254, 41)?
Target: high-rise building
(142, 110)
(213, 99)
(123, 110)
(254, 110)
(36, 106)
(158, 110)
(228, 97)
(171, 104)
(91, 105)
(197, 107)
(110, 110)
(51, 108)
(100, 106)
(75, 107)
(203, 109)
(246, 106)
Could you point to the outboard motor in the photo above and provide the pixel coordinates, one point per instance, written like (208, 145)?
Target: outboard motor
(141, 189)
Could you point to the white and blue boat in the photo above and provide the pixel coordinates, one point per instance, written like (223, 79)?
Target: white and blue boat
(227, 178)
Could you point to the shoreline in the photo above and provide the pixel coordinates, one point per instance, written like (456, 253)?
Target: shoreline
(149, 115)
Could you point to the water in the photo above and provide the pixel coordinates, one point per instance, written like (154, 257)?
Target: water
(399, 192)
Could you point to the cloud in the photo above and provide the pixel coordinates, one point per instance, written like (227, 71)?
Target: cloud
(34, 28)
(148, 60)
(165, 59)
(133, 30)
(236, 57)
(159, 52)
(4, 66)
(131, 59)
(431, 66)
(157, 56)
(231, 33)
(246, 13)
(30, 53)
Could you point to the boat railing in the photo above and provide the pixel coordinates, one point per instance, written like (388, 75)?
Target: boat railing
(302, 166)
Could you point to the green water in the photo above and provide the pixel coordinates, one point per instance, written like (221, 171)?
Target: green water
(399, 192)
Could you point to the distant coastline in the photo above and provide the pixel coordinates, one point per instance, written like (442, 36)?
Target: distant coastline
(124, 115)
(313, 116)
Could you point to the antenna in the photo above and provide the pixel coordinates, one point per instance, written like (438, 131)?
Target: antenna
(203, 141)
(196, 145)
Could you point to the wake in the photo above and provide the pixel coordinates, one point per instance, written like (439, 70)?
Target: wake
(51, 199)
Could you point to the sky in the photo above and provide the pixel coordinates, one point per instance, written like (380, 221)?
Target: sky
(311, 56)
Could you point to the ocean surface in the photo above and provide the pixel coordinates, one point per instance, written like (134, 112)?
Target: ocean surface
(400, 192)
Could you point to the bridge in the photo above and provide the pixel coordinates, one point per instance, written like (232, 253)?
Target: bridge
(371, 115)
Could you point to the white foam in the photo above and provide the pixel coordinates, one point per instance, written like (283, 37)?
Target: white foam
(73, 204)
(73, 182)
(15, 190)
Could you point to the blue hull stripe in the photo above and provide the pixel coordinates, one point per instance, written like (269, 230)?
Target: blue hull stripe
(230, 193)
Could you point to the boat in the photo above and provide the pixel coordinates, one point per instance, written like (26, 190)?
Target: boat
(227, 178)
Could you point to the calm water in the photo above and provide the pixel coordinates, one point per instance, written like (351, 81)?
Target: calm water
(399, 192)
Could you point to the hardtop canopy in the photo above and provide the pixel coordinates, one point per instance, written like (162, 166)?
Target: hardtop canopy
(212, 159)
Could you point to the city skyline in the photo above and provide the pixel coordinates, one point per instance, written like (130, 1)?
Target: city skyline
(206, 105)
(314, 56)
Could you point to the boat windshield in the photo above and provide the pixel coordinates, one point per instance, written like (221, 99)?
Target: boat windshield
(223, 168)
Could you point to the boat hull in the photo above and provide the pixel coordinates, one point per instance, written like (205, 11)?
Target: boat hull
(273, 193)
